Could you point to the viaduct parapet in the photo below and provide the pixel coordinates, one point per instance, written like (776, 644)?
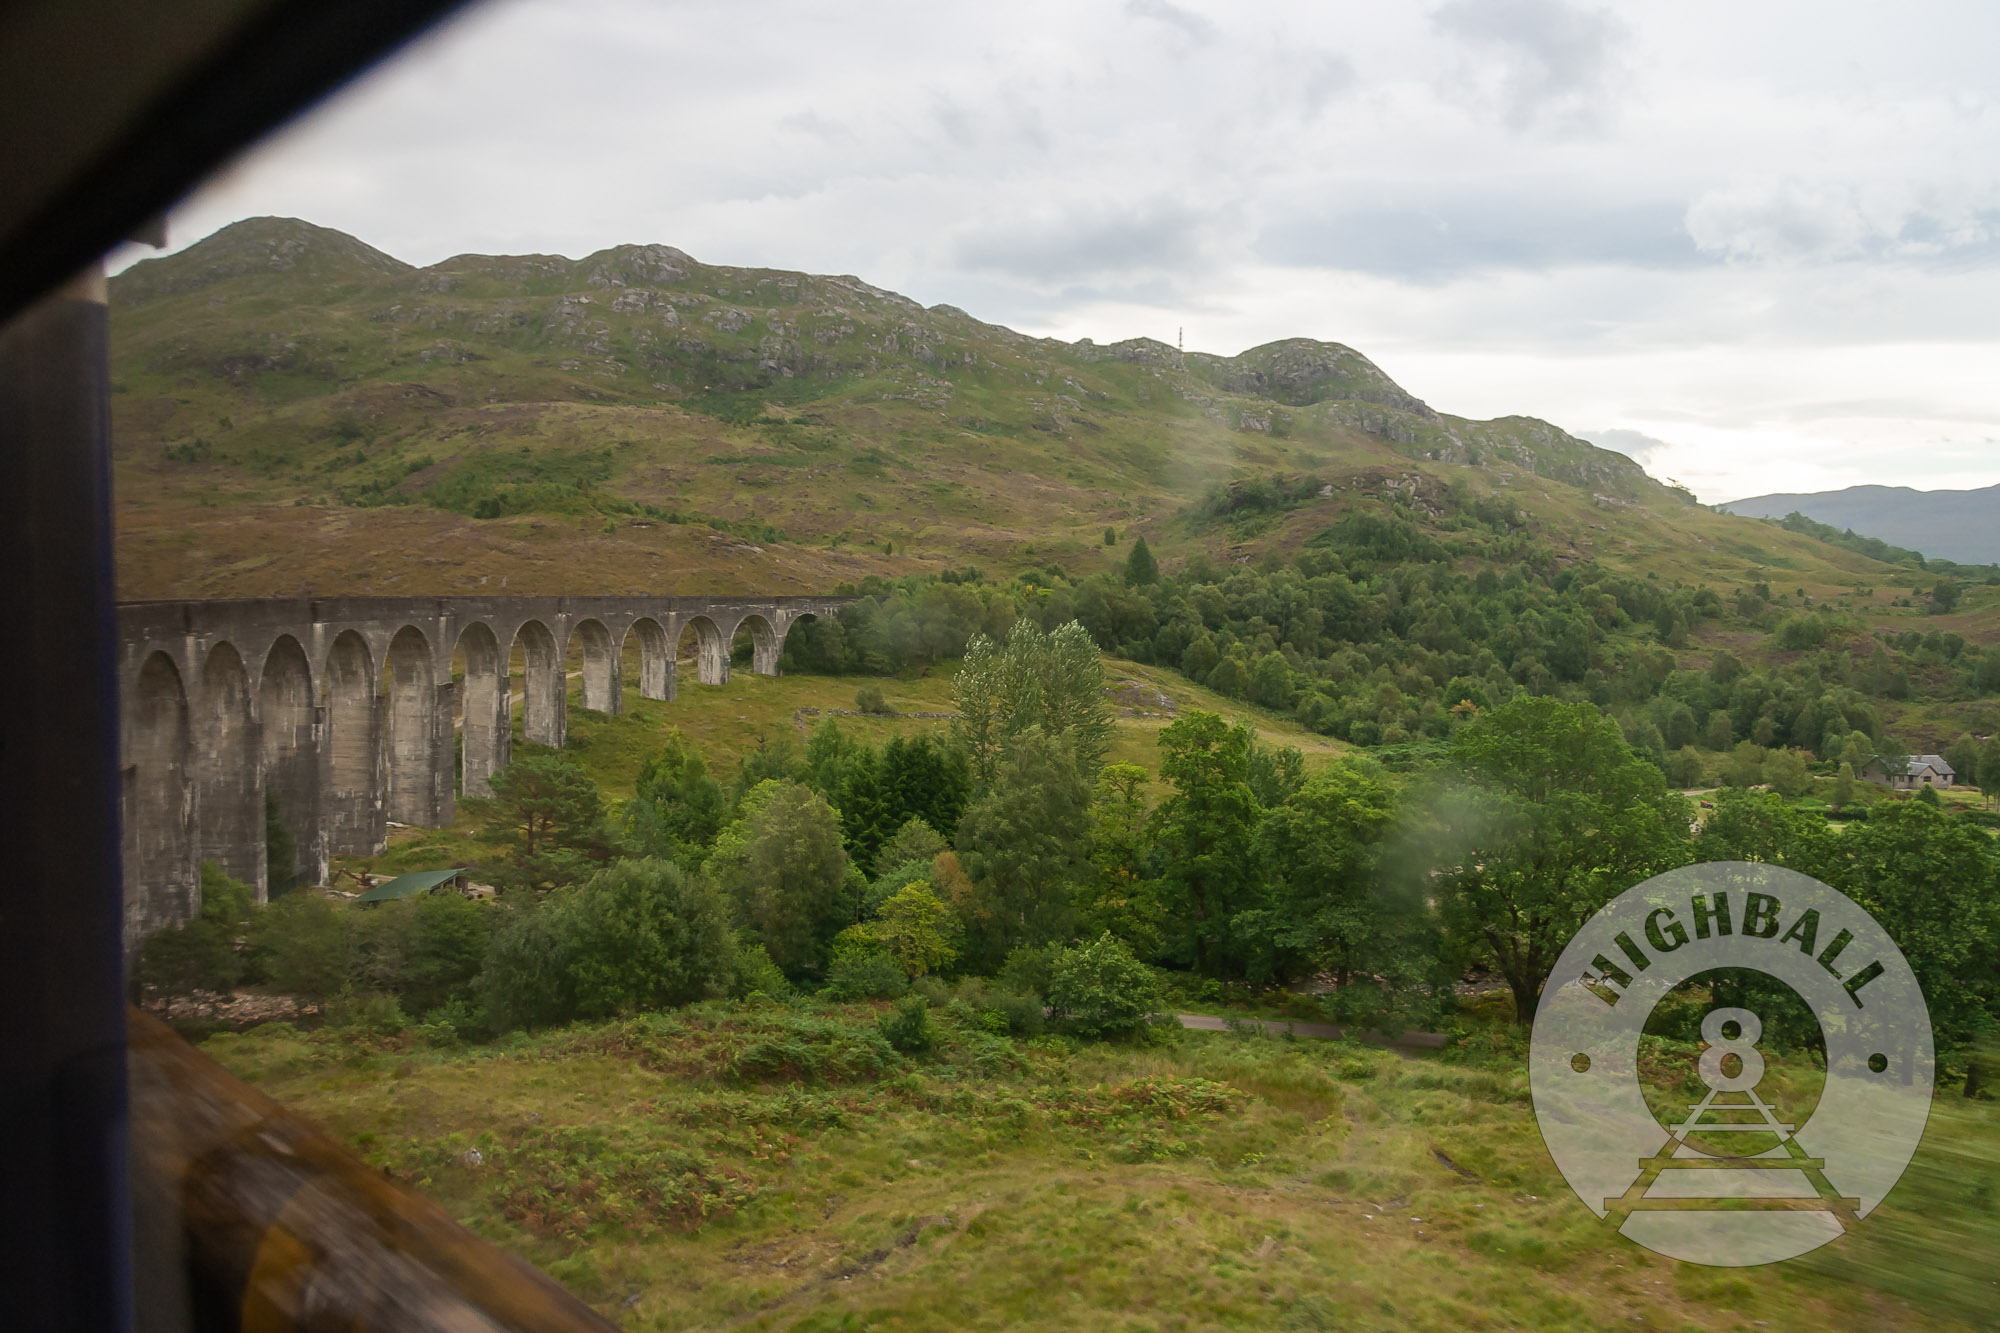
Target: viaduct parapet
(352, 713)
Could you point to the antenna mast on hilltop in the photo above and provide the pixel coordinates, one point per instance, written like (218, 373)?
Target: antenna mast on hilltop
(1180, 351)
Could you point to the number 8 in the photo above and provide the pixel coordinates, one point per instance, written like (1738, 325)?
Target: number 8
(1743, 1046)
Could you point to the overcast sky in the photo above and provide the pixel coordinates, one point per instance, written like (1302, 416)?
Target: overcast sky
(1757, 246)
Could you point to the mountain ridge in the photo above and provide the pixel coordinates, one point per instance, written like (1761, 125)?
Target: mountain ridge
(295, 410)
(1959, 525)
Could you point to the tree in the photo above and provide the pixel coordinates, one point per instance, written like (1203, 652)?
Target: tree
(1745, 767)
(1944, 596)
(549, 816)
(1275, 772)
(527, 980)
(916, 841)
(918, 929)
(1116, 896)
(1989, 767)
(447, 938)
(1787, 774)
(1323, 846)
(1140, 566)
(1963, 756)
(926, 780)
(301, 943)
(1843, 785)
(1931, 881)
(1685, 767)
(1230, 679)
(868, 813)
(1025, 844)
(1761, 826)
(1101, 990)
(1053, 681)
(1271, 682)
(784, 868)
(1558, 816)
(644, 935)
(677, 808)
(1203, 832)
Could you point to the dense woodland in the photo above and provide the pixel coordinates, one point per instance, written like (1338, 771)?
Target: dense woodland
(1383, 634)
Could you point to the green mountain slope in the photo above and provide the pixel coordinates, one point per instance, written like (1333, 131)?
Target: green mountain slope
(296, 411)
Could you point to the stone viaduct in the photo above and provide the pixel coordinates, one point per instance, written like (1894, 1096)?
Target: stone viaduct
(348, 712)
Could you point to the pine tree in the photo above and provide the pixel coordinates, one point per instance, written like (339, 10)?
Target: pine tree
(1140, 567)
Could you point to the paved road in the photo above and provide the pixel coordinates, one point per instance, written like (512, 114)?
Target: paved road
(1276, 1027)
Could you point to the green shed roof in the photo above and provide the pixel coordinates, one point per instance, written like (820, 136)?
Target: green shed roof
(404, 885)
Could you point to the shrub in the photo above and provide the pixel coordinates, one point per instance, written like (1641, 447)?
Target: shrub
(370, 1013)
(1803, 631)
(451, 1024)
(302, 943)
(183, 959)
(908, 1027)
(645, 935)
(756, 974)
(997, 1009)
(637, 935)
(816, 1051)
(1028, 969)
(199, 954)
(526, 981)
(1101, 990)
(869, 700)
(865, 973)
(444, 950)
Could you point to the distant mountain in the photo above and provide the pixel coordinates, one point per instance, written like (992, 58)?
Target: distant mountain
(1955, 525)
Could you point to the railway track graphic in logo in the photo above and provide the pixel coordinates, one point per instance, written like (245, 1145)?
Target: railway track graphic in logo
(1732, 1178)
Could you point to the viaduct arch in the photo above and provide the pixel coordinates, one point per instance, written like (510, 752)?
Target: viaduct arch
(341, 715)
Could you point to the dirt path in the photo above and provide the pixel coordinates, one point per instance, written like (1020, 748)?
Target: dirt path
(1408, 1038)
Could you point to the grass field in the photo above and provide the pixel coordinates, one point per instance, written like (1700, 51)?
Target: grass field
(724, 722)
(759, 1166)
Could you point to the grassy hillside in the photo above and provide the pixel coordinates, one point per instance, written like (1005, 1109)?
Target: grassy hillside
(726, 722)
(295, 411)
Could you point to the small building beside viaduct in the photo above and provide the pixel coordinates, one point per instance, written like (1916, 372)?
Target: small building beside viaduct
(346, 712)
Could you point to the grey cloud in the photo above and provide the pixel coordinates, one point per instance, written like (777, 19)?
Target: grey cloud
(1188, 23)
(1473, 234)
(1081, 246)
(1790, 220)
(819, 127)
(1539, 63)
(955, 121)
(1328, 78)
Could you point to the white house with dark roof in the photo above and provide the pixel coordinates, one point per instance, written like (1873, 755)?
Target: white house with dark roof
(1922, 770)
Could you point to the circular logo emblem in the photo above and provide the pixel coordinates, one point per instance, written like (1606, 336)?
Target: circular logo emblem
(1724, 1158)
